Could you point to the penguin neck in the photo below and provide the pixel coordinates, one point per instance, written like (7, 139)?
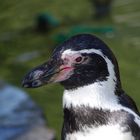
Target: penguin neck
(96, 95)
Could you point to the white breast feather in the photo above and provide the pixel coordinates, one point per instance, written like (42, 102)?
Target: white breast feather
(106, 132)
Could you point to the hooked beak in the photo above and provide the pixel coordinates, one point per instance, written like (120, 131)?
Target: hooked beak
(47, 73)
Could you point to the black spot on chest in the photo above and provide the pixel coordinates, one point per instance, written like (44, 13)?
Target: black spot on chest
(76, 118)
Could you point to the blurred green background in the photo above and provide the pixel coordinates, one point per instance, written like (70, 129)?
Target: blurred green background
(22, 47)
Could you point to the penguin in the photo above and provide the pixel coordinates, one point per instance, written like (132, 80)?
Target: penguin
(95, 105)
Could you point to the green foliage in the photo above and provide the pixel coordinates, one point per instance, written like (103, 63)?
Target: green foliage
(17, 36)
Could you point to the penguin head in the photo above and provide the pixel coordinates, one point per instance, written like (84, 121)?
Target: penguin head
(81, 60)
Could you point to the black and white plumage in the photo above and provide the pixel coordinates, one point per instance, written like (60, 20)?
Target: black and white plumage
(95, 105)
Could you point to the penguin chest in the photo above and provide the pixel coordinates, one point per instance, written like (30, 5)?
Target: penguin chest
(105, 132)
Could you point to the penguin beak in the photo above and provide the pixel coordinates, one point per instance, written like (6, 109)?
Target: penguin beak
(50, 72)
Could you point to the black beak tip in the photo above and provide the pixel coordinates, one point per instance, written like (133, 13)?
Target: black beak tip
(35, 78)
(25, 84)
(31, 84)
(29, 80)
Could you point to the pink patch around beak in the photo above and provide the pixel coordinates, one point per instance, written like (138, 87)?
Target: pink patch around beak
(64, 74)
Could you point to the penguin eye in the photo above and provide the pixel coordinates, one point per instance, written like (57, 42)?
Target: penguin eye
(79, 59)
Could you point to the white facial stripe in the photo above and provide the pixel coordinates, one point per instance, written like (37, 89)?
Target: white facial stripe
(71, 52)
(99, 52)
